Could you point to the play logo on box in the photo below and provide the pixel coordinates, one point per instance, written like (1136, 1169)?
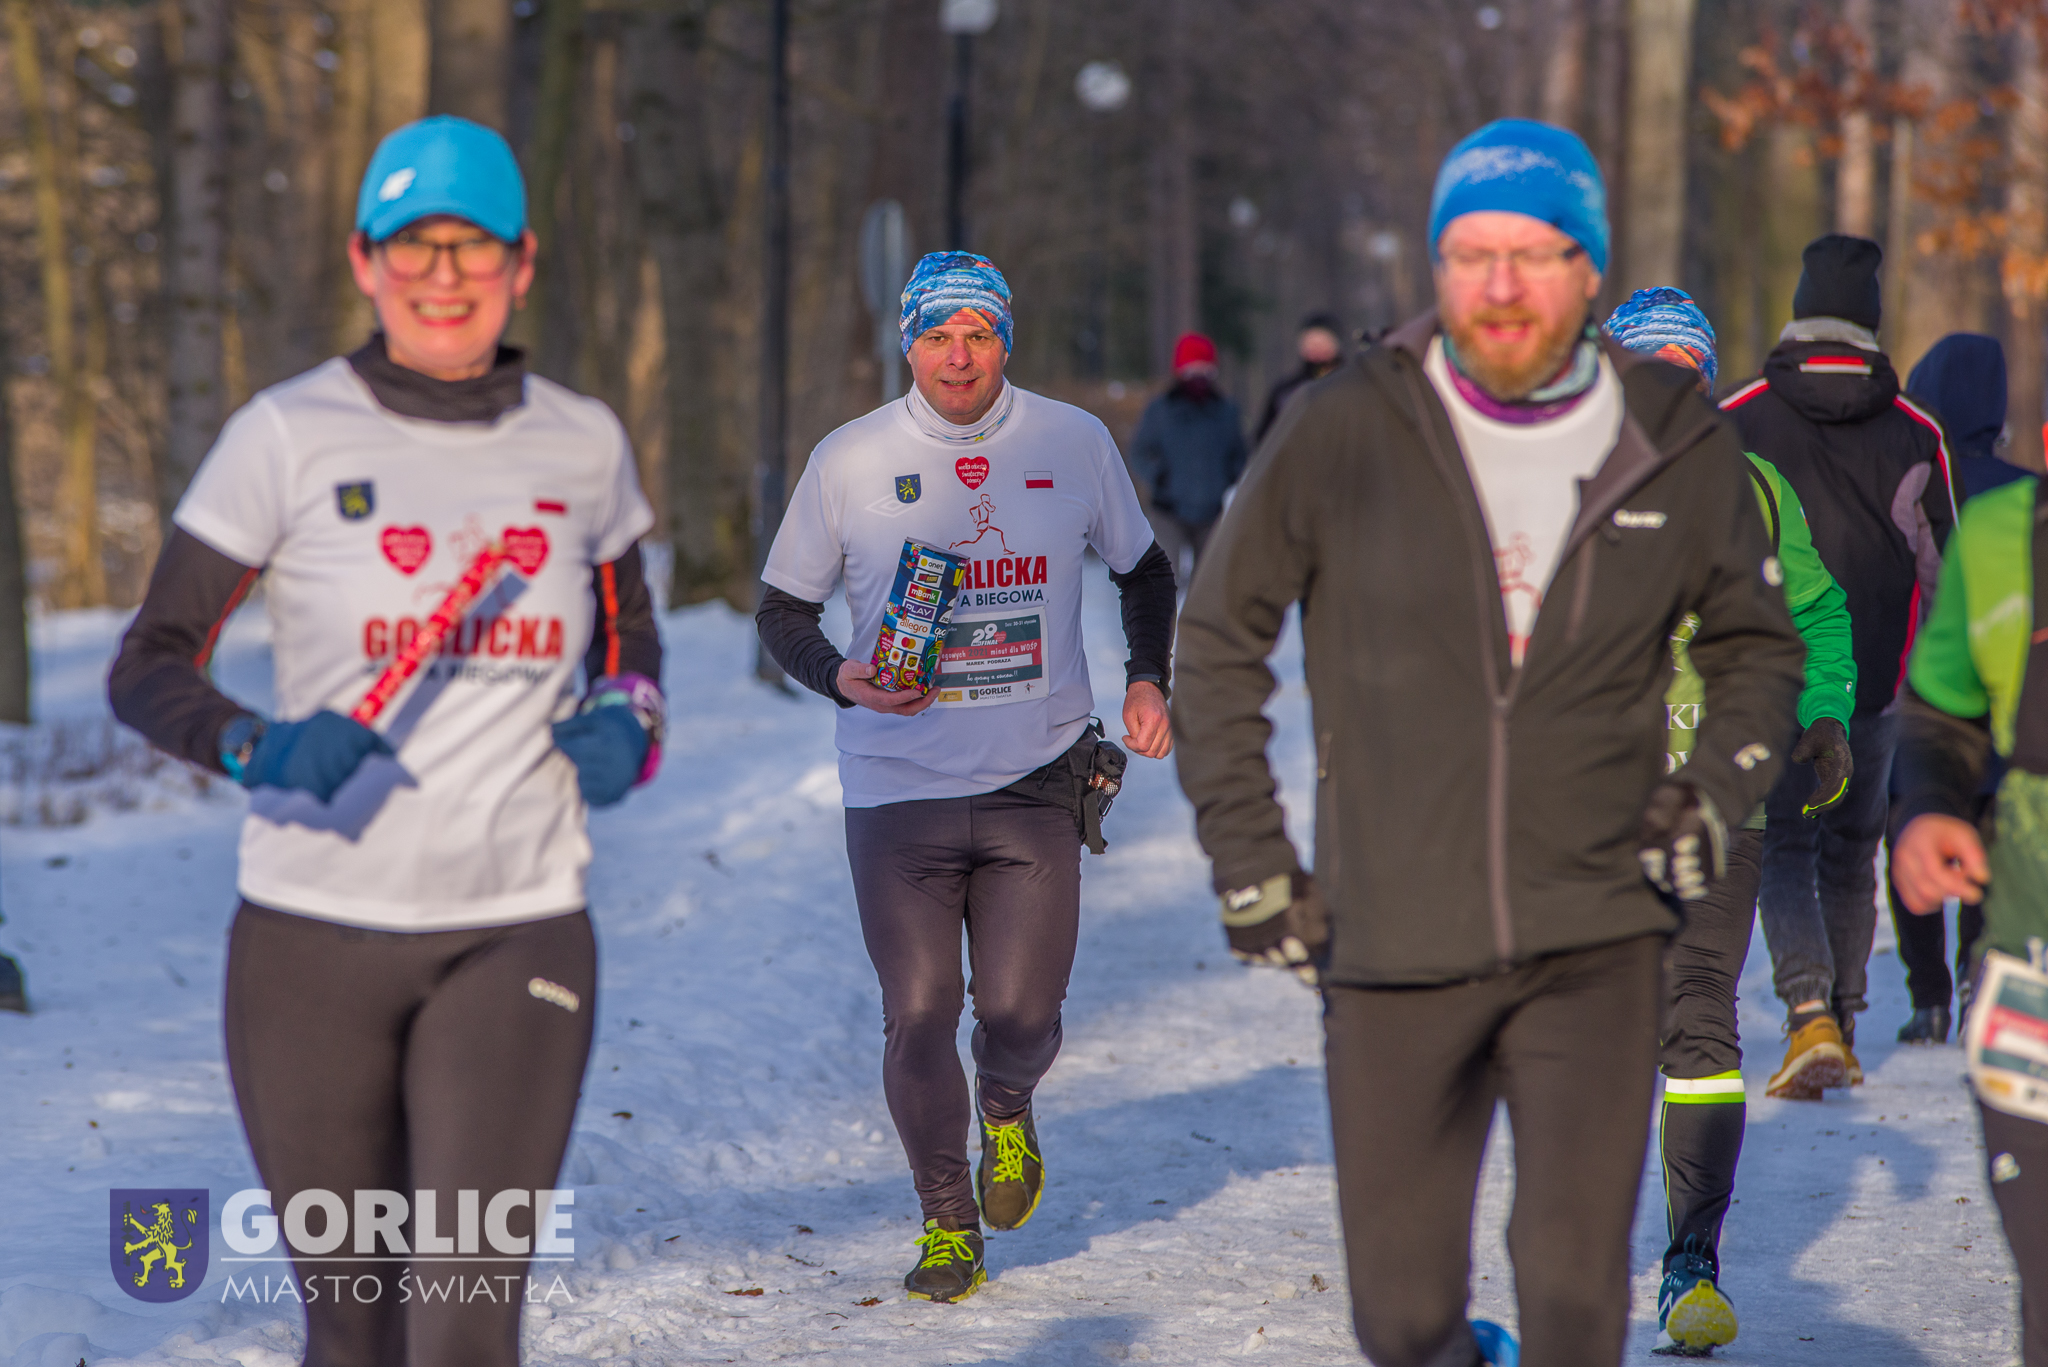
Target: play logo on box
(158, 1241)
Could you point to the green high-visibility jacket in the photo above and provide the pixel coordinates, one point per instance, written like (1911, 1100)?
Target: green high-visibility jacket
(1968, 667)
(1819, 609)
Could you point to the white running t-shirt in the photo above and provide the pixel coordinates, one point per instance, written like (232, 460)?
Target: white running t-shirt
(1528, 478)
(364, 520)
(1023, 499)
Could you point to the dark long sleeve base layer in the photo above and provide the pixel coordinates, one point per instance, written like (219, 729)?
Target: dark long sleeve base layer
(160, 685)
(368, 1060)
(790, 629)
(1568, 1042)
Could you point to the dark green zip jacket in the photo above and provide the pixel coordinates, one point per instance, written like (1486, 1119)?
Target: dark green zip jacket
(1471, 815)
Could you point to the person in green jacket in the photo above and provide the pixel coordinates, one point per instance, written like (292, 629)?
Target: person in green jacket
(1703, 1112)
(1978, 679)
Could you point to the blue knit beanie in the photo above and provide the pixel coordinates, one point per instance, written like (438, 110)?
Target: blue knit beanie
(1520, 166)
(943, 283)
(1666, 323)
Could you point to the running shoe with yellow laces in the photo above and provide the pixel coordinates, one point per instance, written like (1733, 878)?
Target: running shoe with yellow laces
(1010, 1177)
(1815, 1059)
(950, 1267)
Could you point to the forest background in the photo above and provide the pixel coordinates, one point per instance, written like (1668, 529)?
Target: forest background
(178, 179)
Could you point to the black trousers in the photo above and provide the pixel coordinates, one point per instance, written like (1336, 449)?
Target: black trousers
(1568, 1042)
(1923, 947)
(2016, 1162)
(1701, 1121)
(447, 1061)
(1006, 869)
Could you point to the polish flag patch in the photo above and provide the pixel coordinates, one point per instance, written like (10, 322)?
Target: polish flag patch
(1038, 479)
(1834, 365)
(551, 505)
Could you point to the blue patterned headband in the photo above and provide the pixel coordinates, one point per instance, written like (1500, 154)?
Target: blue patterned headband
(943, 283)
(1665, 323)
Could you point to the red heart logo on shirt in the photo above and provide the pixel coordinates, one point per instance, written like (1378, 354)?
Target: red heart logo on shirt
(407, 548)
(527, 548)
(972, 470)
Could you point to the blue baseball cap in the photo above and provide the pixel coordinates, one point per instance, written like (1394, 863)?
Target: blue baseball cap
(442, 165)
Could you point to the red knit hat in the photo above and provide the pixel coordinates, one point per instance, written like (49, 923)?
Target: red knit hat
(1193, 349)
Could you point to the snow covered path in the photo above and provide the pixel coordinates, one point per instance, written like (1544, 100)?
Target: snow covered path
(733, 1137)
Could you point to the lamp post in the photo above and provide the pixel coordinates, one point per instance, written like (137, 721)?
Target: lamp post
(963, 19)
(1102, 88)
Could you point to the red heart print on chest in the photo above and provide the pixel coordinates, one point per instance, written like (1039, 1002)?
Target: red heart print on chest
(407, 548)
(527, 548)
(972, 470)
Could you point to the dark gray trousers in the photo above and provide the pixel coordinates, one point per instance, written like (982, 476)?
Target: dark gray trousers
(368, 1060)
(1569, 1042)
(1819, 896)
(1006, 869)
(2022, 1198)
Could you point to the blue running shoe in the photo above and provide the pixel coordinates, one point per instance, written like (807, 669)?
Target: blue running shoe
(1497, 1347)
(1692, 1310)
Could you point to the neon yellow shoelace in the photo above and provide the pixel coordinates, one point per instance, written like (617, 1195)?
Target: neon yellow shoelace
(1011, 1151)
(942, 1246)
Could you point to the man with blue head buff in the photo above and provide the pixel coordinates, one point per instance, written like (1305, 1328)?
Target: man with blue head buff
(965, 806)
(1489, 522)
(1702, 1118)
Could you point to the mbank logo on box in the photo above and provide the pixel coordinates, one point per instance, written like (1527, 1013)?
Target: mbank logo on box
(158, 1241)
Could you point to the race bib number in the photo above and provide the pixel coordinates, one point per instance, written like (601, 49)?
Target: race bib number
(2007, 1042)
(991, 661)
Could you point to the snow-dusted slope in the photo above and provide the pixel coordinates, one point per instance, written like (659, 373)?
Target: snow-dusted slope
(733, 1136)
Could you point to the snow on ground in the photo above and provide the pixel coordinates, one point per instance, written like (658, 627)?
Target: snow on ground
(733, 1136)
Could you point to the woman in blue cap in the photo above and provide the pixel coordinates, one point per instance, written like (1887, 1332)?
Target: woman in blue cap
(411, 972)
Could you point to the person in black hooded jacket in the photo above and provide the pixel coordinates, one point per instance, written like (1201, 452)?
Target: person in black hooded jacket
(1874, 474)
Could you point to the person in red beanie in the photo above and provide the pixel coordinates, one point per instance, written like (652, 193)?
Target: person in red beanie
(1189, 450)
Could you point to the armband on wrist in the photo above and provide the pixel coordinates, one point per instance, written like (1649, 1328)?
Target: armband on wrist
(238, 742)
(650, 709)
(1260, 902)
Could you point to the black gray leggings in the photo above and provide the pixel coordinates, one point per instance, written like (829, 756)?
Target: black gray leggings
(446, 1061)
(1007, 869)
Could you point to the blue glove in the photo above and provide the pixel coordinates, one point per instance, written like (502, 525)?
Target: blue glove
(608, 746)
(315, 756)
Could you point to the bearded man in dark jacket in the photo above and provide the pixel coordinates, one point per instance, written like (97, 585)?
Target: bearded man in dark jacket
(1872, 470)
(1492, 523)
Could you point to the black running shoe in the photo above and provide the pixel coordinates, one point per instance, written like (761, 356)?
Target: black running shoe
(949, 1269)
(1010, 1177)
(1929, 1025)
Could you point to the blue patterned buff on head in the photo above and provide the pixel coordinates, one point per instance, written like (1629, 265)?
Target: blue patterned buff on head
(943, 283)
(1520, 166)
(1666, 323)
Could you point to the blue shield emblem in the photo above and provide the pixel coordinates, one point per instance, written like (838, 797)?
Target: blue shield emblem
(158, 1241)
(355, 501)
(909, 488)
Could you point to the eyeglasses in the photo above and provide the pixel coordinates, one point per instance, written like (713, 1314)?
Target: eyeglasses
(476, 258)
(1525, 263)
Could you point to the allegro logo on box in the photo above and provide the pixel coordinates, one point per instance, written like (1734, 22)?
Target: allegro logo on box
(250, 1227)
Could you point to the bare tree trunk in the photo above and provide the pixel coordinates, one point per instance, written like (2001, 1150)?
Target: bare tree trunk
(83, 578)
(1173, 261)
(1791, 219)
(1564, 70)
(14, 647)
(198, 242)
(2024, 271)
(1856, 172)
(352, 316)
(1660, 81)
(472, 59)
(550, 315)
(1926, 294)
(705, 515)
